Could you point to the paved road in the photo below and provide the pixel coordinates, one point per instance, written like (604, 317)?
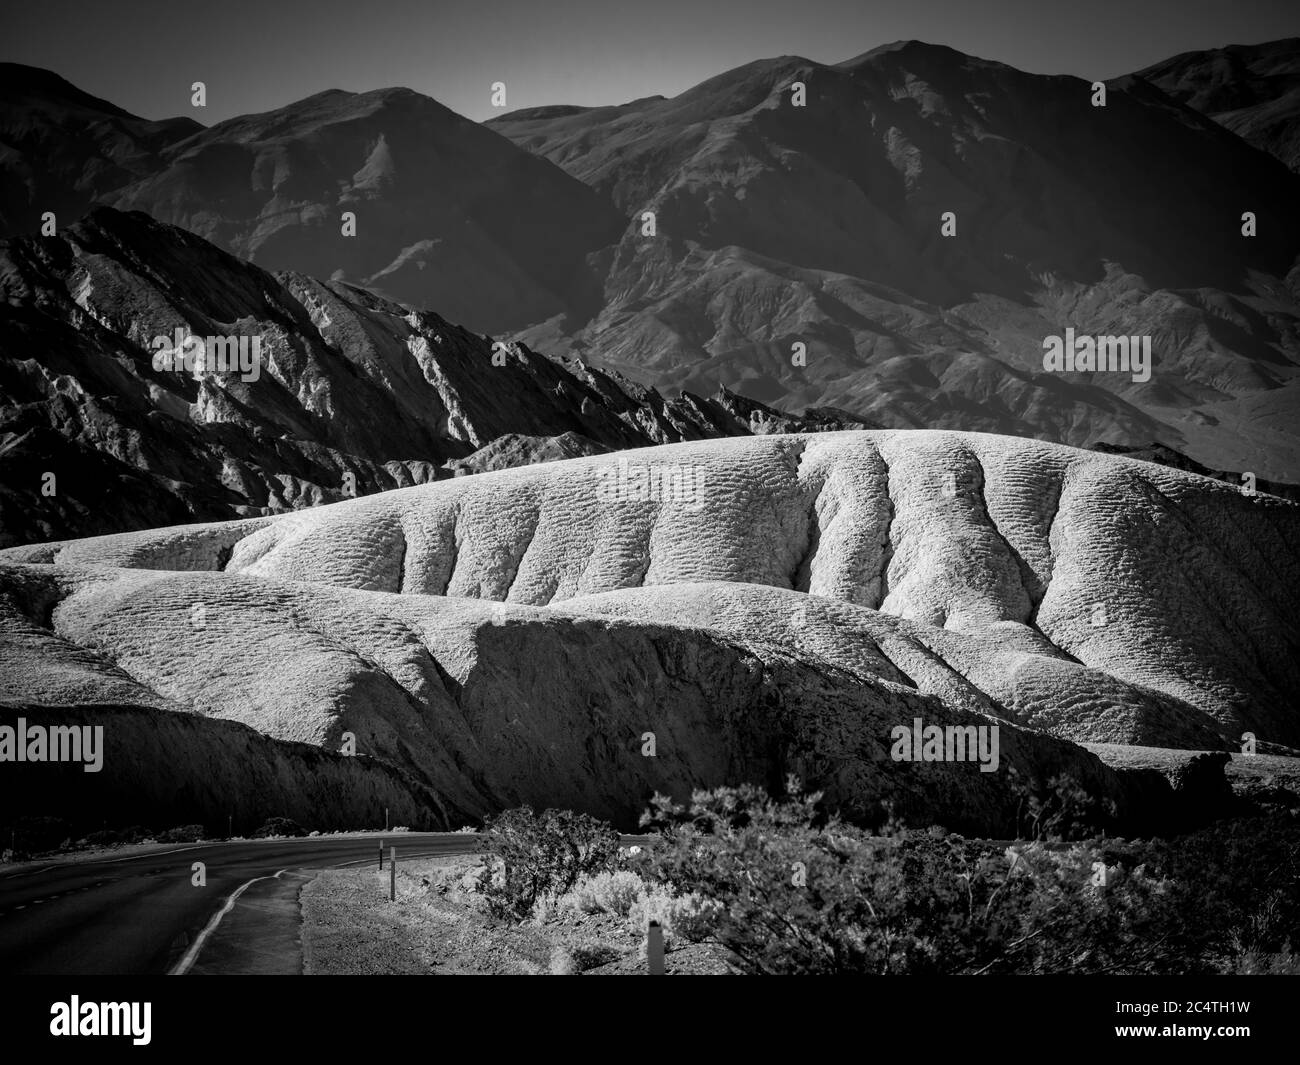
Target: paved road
(142, 914)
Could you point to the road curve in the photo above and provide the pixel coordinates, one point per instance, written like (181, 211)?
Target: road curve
(141, 913)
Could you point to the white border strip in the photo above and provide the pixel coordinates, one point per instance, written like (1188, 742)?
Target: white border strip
(192, 955)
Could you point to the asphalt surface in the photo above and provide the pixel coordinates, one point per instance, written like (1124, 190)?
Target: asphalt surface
(142, 913)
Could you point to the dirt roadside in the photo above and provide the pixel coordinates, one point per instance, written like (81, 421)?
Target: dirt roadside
(437, 927)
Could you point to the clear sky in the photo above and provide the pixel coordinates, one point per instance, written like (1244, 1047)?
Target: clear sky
(144, 54)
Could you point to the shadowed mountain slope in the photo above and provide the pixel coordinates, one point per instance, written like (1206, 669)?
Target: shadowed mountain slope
(820, 224)
(1253, 90)
(448, 214)
(61, 149)
(352, 393)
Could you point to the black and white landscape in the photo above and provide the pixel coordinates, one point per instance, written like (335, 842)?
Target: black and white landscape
(892, 462)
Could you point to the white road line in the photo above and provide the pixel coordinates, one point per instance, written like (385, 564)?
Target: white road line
(109, 861)
(147, 854)
(192, 955)
(31, 872)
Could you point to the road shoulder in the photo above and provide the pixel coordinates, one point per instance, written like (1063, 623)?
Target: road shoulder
(261, 934)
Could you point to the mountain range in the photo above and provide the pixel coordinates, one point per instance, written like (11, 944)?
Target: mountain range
(821, 224)
(774, 225)
(514, 475)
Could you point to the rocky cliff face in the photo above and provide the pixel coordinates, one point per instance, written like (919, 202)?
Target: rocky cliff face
(352, 393)
(772, 604)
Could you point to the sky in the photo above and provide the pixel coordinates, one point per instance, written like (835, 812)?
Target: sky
(144, 55)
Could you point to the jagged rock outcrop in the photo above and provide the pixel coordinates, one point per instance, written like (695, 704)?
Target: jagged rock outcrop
(1167, 456)
(1270, 777)
(515, 449)
(782, 605)
(353, 393)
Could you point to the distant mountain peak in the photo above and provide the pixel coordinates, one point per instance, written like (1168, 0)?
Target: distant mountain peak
(910, 47)
(18, 78)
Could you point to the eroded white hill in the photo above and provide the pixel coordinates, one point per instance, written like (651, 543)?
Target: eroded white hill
(512, 636)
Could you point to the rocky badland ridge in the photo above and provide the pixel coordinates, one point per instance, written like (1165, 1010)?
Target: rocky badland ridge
(352, 394)
(545, 560)
(780, 607)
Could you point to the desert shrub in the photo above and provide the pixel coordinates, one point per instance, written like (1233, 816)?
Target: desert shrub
(581, 899)
(654, 906)
(689, 917)
(606, 892)
(1058, 808)
(182, 834)
(1236, 889)
(108, 837)
(792, 889)
(32, 835)
(1255, 963)
(693, 917)
(279, 826)
(540, 855)
(544, 907)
